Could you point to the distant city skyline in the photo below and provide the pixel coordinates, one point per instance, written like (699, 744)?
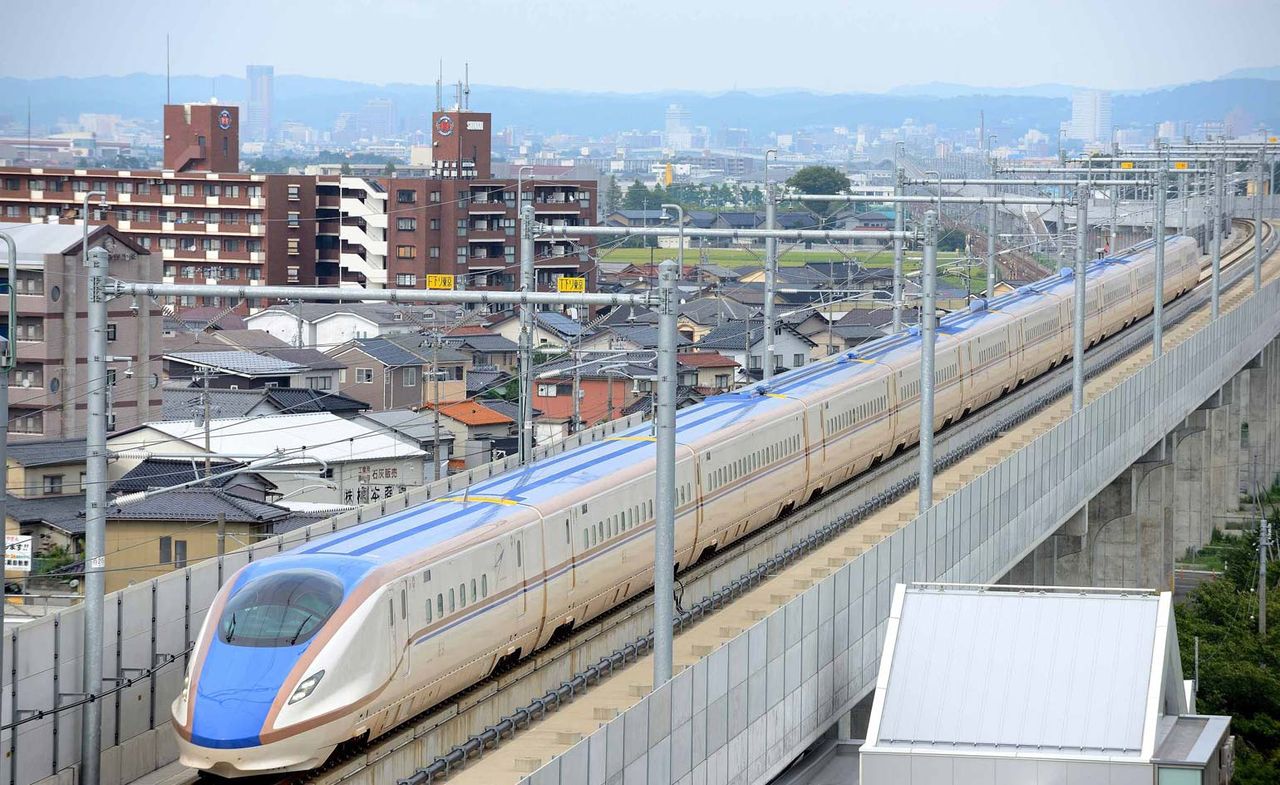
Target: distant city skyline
(714, 45)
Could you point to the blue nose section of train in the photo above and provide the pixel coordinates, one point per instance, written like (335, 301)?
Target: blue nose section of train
(235, 691)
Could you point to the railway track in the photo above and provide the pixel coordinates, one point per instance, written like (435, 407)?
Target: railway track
(467, 724)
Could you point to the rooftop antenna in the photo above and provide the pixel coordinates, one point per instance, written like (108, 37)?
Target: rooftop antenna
(440, 87)
(457, 96)
(466, 90)
(168, 94)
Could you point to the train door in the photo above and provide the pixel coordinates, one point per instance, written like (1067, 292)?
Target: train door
(400, 626)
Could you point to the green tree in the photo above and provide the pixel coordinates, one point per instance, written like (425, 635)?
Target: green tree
(612, 195)
(1239, 670)
(638, 197)
(345, 168)
(390, 168)
(818, 180)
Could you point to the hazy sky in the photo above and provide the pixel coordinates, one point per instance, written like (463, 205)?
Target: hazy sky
(639, 45)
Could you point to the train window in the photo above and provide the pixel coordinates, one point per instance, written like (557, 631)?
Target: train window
(484, 585)
(426, 576)
(473, 589)
(566, 533)
(595, 534)
(428, 610)
(519, 554)
(440, 604)
(391, 611)
(282, 609)
(651, 508)
(451, 605)
(586, 540)
(404, 603)
(462, 595)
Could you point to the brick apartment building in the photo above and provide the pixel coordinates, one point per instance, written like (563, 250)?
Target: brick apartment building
(206, 221)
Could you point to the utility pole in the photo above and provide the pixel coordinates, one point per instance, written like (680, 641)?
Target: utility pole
(664, 547)
(205, 404)
(298, 343)
(899, 222)
(222, 533)
(770, 279)
(1077, 327)
(526, 334)
(95, 518)
(435, 410)
(928, 335)
(1157, 332)
(575, 424)
(1114, 229)
(1264, 540)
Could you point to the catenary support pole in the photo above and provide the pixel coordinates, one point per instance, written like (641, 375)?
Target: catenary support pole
(526, 333)
(1113, 230)
(770, 281)
(991, 251)
(1077, 322)
(1158, 235)
(1264, 543)
(95, 518)
(1215, 217)
(928, 336)
(8, 351)
(664, 546)
(899, 224)
(1257, 223)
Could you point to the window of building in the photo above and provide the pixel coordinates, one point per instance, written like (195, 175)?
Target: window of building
(797, 360)
(80, 185)
(253, 245)
(253, 219)
(435, 223)
(294, 219)
(295, 193)
(124, 186)
(230, 244)
(435, 252)
(166, 550)
(211, 216)
(230, 219)
(253, 273)
(253, 191)
(364, 376)
(406, 279)
(26, 422)
(292, 247)
(187, 189)
(406, 196)
(111, 331)
(232, 191)
(434, 196)
(406, 251)
(292, 273)
(320, 382)
(209, 244)
(180, 546)
(342, 376)
(407, 224)
(12, 211)
(143, 215)
(209, 189)
(143, 187)
(52, 485)
(408, 377)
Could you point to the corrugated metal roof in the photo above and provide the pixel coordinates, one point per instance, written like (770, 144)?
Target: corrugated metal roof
(1006, 671)
(239, 363)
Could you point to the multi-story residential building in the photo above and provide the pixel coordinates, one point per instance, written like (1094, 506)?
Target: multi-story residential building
(200, 216)
(47, 386)
(209, 222)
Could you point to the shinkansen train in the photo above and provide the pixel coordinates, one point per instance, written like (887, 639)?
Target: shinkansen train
(354, 632)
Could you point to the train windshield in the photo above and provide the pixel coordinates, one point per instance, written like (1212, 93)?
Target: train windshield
(284, 609)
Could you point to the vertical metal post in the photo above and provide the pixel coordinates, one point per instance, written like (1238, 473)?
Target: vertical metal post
(1157, 233)
(928, 335)
(95, 517)
(1114, 229)
(899, 222)
(1215, 216)
(770, 280)
(1257, 221)
(222, 534)
(435, 409)
(991, 231)
(8, 351)
(664, 541)
(575, 424)
(526, 332)
(1184, 192)
(1077, 323)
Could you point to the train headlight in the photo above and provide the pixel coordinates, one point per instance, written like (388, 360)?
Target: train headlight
(305, 687)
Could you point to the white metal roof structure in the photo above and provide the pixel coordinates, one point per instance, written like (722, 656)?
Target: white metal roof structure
(318, 436)
(980, 684)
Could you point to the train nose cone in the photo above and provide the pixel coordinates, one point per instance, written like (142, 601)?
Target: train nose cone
(237, 686)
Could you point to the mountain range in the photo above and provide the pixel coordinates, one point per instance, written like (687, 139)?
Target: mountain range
(1250, 96)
